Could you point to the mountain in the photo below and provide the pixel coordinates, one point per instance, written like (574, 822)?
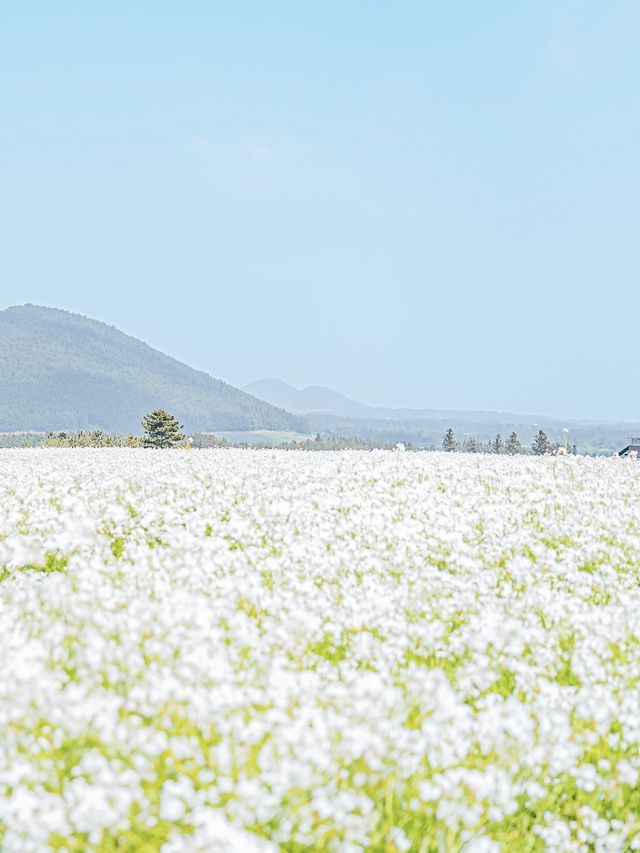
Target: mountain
(319, 400)
(334, 415)
(62, 371)
(314, 398)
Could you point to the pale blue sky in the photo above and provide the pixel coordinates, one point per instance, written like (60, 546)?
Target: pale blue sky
(416, 203)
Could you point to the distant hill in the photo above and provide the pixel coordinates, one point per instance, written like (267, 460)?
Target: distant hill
(319, 400)
(334, 415)
(62, 371)
(314, 398)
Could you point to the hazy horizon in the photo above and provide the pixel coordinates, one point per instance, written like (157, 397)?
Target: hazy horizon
(418, 206)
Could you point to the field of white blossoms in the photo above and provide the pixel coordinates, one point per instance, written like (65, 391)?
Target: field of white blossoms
(243, 650)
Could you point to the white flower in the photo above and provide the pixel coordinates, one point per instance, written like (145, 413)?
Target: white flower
(268, 649)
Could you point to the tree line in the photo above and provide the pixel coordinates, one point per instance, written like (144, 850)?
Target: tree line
(162, 430)
(541, 445)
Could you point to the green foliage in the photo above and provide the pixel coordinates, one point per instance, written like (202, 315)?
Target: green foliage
(161, 430)
(117, 546)
(204, 439)
(541, 444)
(319, 443)
(449, 443)
(21, 439)
(94, 438)
(53, 562)
(514, 447)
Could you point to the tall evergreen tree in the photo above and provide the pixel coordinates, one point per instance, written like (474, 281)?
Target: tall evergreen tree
(498, 444)
(161, 429)
(514, 447)
(449, 441)
(541, 444)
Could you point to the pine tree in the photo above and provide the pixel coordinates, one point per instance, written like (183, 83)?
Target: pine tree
(449, 441)
(541, 444)
(472, 445)
(498, 444)
(161, 430)
(513, 444)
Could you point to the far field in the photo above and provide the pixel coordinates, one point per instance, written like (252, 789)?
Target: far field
(263, 436)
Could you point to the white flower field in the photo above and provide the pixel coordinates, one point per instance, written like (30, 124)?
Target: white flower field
(235, 650)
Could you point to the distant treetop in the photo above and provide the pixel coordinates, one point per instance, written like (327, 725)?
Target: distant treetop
(161, 430)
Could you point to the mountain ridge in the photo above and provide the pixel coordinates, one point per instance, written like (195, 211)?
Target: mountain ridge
(313, 400)
(61, 370)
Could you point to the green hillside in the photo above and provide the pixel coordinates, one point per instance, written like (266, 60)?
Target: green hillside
(62, 371)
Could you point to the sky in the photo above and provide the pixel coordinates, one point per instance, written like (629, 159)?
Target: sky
(415, 203)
